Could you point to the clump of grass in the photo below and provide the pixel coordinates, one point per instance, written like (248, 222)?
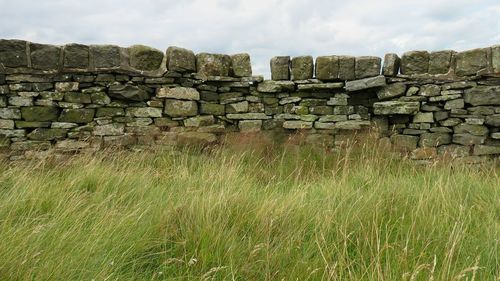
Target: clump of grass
(248, 212)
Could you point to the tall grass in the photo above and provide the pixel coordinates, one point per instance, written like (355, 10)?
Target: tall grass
(248, 212)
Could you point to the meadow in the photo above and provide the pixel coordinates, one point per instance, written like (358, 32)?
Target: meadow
(249, 211)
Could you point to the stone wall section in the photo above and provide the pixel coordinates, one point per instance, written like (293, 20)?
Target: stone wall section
(78, 97)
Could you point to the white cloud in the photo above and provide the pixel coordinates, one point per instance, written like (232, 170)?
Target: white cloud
(263, 28)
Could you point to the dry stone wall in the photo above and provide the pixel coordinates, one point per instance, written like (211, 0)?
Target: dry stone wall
(78, 97)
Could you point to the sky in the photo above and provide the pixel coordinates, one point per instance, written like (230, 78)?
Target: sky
(262, 28)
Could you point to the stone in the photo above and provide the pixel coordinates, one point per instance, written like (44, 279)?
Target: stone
(415, 62)
(444, 98)
(213, 64)
(110, 112)
(486, 149)
(346, 68)
(338, 99)
(287, 100)
(405, 142)
(474, 121)
(352, 124)
(76, 56)
(321, 110)
(62, 125)
(434, 139)
(241, 65)
(75, 97)
(391, 65)
(251, 116)
(144, 112)
(250, 126)
(71, 144)
(423, 117)
(453, 150)
(128, 92)
(12, 133)
(165, 122)
(367, 66)
(100, 98)
(450, 122)
(280, 68)
(493, 120)
(468, 139)
(324, 126)
(212, 108)
(181, 93)
(332, 118)
(495, 136)
(105, 56)
(365, 83)
(6, 124)
(47, 134)
(196, 138)
(495, 58)
(396, 107)
(471, 62)
(327, 68)
(180, 108)
(44, 57)
(477, 130)
(424, 153)
(440, 62)
(391, 91)
(237, 107)
(199, 121)
(181, 60)
(145, 58)
(412, 91)
(66, 86)
(292, 124)
(13, 53)
(454, 104)
(20, 101)
(482, 95)
(81, 115)
(30, 145)
(270, 87)
(113, 129)
(302, 68)
(39, 113)
(320, 86)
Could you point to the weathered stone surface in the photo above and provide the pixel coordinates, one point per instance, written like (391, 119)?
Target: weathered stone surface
(346, 68)
(470, 62)
(47, 134)
(145, 58)
(241, 65)
(13, 53)
(289, 100)
(181, 93)
(75, 97)
(423, 117)
(30, 145)
(468, 139)
(128, 92)
(66, 86)
(237, 107)
(477, 130)
(180, 108)
(12, 133)
(495, 58)
(76, 56)
(434, 139)
(483, 95)
(405, 142)
(320, 87)
(391, 65)
(39, 113)
(454, 104)
(113, 129)
(292, 124)
(415, 62)
(367, 66)
(396, 107)
(391, 91)
(100, 98)
(327, 68)
(62, 125)
(110, 112)
(332, 118)
(196, 138)
(365, 83)
(71, 144)
(199, 121)
(321, 110)
(352, 124)
(440, 62)
(105, 56)
(252, 116)
(21, 101)
(80, 115)
(45, 57)
(302, 68)
(269, 86)
(280, 68)
(486, 150)
(6, 124)
(212, 108)
(214, 64)
(181, 60)
(493, 120)
(144, 112)
(250, 126)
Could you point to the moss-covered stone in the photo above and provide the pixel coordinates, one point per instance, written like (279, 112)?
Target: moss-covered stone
(415, 62)
(180, 108)
(470, 62)
(110, 112)
(280, 68)
(180, 59)
(80, 115)
(327, 68)
(105, 56)
(39, 113)
(241, 65)
(47, 134)
(76, 97)
(76, 56)
(13, 53)
(214, 64)
(145, 58)
(45, 57)
(302, 67)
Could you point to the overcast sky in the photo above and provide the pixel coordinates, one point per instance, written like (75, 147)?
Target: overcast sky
(263, 28)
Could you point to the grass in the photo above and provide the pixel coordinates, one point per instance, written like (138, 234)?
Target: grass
(248, 212)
